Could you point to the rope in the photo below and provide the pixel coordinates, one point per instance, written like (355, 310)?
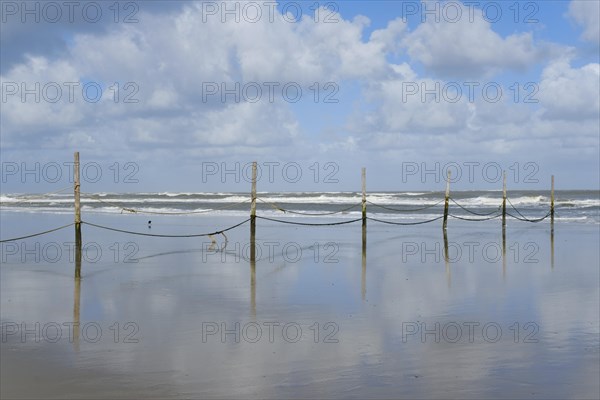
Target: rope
(37, 234)
(524, 218)
(132, 210)
(472, 219)
(529, 220)
(278, 208)
(171, 236)
(308, 223)
(476, 213)
(406, 223)
(410, 210)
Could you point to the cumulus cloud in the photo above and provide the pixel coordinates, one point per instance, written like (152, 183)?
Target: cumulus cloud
(570, 93)
(469, 47)
(586, 14)
(167, 63)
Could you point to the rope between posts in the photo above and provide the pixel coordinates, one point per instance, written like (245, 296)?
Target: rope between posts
(37, 234)
(405, 223)
(529, 220)
(409, 210)
(279, 208)
(472, 219)
(171, 236)
(310, 223)
(476, 213)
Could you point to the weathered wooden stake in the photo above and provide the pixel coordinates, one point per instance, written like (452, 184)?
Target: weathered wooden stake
(77, 189)
(503, 198)
(552, 204)
(253, 214)
(364, 196)
(446, 202)
(76, 193)
(364, 233)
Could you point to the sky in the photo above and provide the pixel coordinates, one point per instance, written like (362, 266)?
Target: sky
(181, 96)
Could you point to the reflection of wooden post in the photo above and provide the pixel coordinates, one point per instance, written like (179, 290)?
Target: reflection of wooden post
(503, 224)
(76, 313)
(552, 248)
(552, 204)
(447, 201)
(447, 259)
(503, 199)
(76, 193)
(252, 285)
(503, 251)
(364, 263)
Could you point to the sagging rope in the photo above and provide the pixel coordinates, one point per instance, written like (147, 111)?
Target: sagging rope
(409, 210)
(405, 223)
(310, 223)
(37, 234)
(524, 218)
(476, 213)
(472, 219)
(530, 220)
(170, 236)
(279, 208)
(132, 210)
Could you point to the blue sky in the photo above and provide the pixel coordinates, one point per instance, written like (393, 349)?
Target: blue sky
(372, 61)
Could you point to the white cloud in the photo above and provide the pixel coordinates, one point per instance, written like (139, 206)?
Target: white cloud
(570, 93)
(469, 47)
(586, 13)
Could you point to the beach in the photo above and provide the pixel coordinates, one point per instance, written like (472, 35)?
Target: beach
(312, 316)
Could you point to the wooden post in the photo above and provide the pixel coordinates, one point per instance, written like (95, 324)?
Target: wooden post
(446, 202)
(253, 214)
(364, 196)
(503, 198)
(364, 234)
(253, 194)
(552, 204)
(77, 190)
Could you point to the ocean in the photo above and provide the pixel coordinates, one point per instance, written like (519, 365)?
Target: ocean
(571, 206)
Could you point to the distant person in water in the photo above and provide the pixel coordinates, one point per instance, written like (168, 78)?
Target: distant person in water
(149, 224)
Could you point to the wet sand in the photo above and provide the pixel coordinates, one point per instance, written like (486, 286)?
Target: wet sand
(316, 319)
